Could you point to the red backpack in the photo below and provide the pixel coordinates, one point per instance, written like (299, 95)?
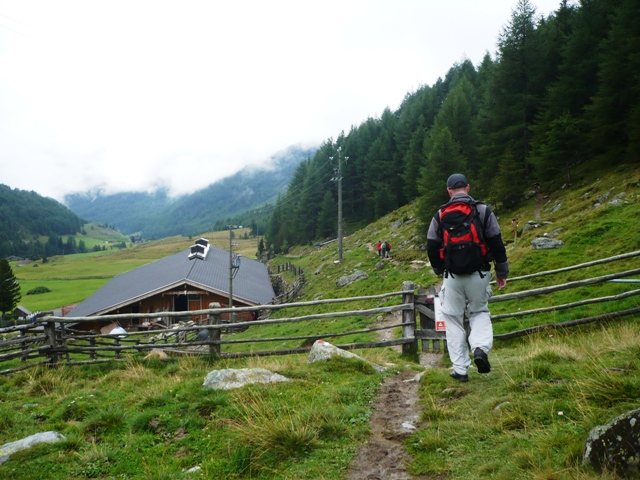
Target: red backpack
(463, 248)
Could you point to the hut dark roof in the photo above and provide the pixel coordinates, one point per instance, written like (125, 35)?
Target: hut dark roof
(251, 284)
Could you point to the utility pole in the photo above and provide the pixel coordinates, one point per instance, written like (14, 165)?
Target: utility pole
(338, 178)
(234, 265)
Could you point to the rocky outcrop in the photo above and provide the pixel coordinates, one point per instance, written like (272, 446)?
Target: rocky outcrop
(349, 279)
(322, 351)
(230, 378)
(616, 445)
(9, 449)
(545, 243)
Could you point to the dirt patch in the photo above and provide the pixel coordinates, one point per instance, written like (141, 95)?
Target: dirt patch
(396, 416)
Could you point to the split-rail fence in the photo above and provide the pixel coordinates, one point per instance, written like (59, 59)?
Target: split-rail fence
(53, 341)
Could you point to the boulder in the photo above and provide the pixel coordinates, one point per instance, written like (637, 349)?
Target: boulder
(544, 243)
(396, 224)
(349, 279)
(10, 448)
(157, 353)
(615, 445)
(322, 351)
(231, 378)
(618, 200)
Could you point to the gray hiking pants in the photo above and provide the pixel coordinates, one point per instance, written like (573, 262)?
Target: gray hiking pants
(471, 292)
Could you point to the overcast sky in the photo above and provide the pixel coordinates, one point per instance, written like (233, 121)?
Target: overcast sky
(138, 94)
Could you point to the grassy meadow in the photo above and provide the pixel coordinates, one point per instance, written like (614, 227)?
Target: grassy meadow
(72, 278)
(529, 418)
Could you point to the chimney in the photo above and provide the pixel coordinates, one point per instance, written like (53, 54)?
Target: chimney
(200, 249)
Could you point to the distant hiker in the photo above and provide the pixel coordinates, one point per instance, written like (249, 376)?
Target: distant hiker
(387, 249)
(383, 249)
(379, 248)
(463, 238)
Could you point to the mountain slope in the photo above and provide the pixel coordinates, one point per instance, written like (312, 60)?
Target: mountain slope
(24, 215)
(157, 215)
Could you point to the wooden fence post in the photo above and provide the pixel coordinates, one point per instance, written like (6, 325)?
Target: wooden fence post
(214, 334)
(50, 333)
(92, 343)
(23, 345)
(409, 318)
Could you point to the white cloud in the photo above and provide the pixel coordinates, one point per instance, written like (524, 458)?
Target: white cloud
(134, 95)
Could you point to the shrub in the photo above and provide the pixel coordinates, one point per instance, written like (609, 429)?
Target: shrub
(38, 290)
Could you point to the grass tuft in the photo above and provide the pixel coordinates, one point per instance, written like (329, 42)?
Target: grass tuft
(271, 431)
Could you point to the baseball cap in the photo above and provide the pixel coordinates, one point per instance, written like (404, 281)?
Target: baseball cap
(457, 180)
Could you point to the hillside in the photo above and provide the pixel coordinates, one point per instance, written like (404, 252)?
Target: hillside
(529, 418)
(530, 114)
(157, 215)
(26, 215)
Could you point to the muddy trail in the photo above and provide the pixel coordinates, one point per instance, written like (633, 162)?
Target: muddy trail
(396, 415)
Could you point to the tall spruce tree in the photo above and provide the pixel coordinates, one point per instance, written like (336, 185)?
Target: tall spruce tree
(443, 159)
(615, 111)
(9, 288)
(511, 104)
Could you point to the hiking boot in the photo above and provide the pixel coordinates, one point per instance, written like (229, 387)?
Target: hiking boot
(459, 377)
(481, 360)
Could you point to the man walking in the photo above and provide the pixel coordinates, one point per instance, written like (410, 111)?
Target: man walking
(463, 238)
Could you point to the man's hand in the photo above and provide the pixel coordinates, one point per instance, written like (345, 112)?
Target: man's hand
(502, 282)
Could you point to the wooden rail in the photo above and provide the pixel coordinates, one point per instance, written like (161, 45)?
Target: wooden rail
(53, 340)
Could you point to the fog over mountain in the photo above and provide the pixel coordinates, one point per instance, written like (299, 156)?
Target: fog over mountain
(156, 214)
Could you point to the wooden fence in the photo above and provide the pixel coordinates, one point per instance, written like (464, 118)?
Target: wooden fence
(57, 340)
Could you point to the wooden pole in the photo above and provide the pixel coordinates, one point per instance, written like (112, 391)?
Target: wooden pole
(576, 267)
(563, 286)
(409, 318)
(50, 332)
(214, 333)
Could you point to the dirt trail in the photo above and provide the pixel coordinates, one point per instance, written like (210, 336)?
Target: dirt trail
(396, 415)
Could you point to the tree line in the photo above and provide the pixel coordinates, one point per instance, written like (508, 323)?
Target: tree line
(25, 217)
(560, 91)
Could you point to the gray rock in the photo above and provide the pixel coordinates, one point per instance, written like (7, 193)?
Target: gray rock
(349, 279)
(319, 269)
(554, 233)
(603, 198)
(395, 225)
(556, 207)
(380, 265)
(618, 200)
(544, 243)
(230, 378)
(322, 351)
(530, 225)
(616, 444)
(10, 448)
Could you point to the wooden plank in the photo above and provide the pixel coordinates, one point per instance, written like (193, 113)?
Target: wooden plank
(430, 335)
(563, 286)
(565, 306)
(576, 267)
(571, 323)
(426, 311)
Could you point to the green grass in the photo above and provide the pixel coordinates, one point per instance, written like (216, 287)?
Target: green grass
(529, 418)
(147, 419)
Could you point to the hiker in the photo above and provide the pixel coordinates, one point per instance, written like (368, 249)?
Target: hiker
(388, 248)
(379, 248)
(463, 253)
(383, 249)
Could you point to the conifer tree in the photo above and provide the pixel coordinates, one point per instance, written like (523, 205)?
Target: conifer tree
(9, 288)
(327, 218)
(443, 159)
